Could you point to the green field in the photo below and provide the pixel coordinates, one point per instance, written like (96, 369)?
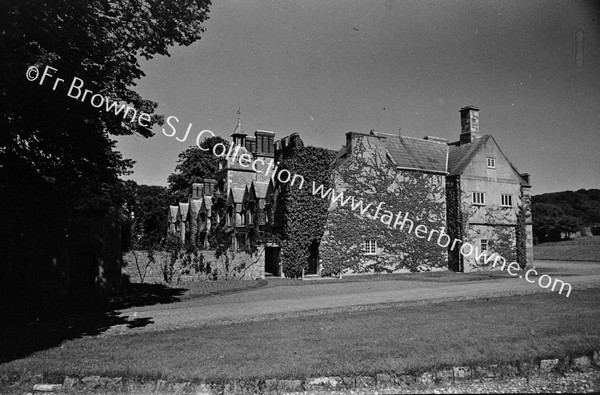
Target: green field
(579, 249)
(405, 338)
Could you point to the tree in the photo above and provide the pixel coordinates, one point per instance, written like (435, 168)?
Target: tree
(56, 153)
(194, 165)
(150, 215)
(551, 220)
(63, 140)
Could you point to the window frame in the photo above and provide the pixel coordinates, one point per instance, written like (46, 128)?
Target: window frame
(230, 218)
(478, 202)
(491, 162)
(250, 214)
(369, 247)
(509, 197)
(483, 244)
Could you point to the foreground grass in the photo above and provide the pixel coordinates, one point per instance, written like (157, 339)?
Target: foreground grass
(345, 343)
(579, 249)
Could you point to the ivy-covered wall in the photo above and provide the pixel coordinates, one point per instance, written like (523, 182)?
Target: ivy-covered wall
(455, 224)
(504, 228)
(367, 175)
(299, 215)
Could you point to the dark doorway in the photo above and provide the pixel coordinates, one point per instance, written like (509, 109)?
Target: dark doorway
(313, 258)
(272, 260)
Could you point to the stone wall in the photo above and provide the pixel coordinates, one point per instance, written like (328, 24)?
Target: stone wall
(237, 266)
(367, 175)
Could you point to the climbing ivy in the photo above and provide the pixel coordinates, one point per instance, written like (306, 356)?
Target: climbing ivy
(369, 176)
(455, 220)
(521, 230)
(299, 216)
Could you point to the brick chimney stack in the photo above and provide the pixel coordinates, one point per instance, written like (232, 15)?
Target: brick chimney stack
(469, 122)
(197, 188)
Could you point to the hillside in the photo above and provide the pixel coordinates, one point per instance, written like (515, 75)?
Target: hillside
(563, 213)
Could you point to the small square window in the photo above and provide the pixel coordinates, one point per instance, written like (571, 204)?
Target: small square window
(484, 245)
(491, 163)
(370, 247)
(506, 200)
(478, 198)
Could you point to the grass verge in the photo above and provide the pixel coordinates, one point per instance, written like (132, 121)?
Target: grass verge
(579, 249)
(406, 338)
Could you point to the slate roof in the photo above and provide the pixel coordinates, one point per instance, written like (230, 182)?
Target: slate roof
(195, 205)
(260, 188)
(237, 194)
(413, 153)
(183, 210)
(173, 213)
(207, 204)
(340, 156)
(238, 130)
(460, 155)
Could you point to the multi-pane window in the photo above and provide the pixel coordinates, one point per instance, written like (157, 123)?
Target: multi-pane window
(370, 247)
(478, 198)
(230, 216)
(491, 163)
(249, 214)
(484, 245)
(506, 200)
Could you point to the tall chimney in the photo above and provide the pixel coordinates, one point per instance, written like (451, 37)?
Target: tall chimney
(348, 144)
(209, 186)
(469, 122)
(197, 188)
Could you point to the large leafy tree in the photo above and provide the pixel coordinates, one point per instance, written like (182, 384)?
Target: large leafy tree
(551, 220)
(144, 207)
(194, 165)
(564, 212)
(56, 152)
(65, 141)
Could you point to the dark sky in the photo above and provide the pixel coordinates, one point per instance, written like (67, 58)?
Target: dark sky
(322, 68)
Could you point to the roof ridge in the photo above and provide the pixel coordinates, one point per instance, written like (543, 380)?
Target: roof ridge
(425, 140)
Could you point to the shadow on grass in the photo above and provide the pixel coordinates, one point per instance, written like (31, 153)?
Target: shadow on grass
(31, 325)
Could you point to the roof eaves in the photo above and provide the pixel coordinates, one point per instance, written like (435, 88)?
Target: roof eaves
(423, 170)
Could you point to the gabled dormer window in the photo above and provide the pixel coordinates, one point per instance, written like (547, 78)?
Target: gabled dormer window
(491, 163)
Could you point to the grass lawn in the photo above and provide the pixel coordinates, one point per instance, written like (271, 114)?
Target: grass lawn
(579, 249)
(344, 343)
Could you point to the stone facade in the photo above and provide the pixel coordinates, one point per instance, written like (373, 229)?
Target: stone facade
(467, 188)
(396, 174)
(489, 195)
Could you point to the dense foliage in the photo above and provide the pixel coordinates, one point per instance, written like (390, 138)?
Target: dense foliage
(57, 149)
(302, 214)
(562, 213)
(66, 141)
(368, 175)
(194, 165)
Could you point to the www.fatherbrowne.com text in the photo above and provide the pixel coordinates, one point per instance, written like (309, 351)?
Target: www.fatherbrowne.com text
(239, 154)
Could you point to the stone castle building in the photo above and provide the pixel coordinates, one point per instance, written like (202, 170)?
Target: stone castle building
(467, 188)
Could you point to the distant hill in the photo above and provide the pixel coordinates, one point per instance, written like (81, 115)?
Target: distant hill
(563, 213)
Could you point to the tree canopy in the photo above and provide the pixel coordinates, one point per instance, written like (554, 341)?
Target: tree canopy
(564, 212)
(61, 139)
(194, 165)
